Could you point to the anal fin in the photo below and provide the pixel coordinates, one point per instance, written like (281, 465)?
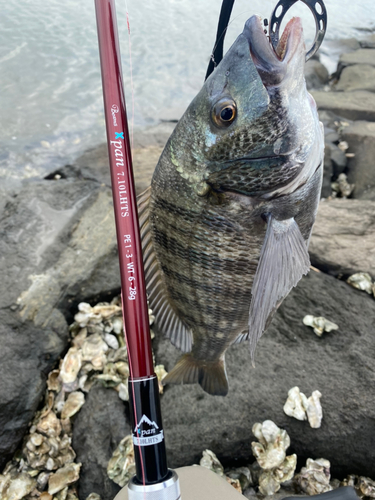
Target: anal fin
(283, 261)
(211, 376)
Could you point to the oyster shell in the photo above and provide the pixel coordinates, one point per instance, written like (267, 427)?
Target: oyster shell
(45, 496)
(296, 404)
(63, 477)
(73, 404)
(319, 324)
(314, 410)
(210, 461)
(123, 392)
(366, 486)
(53, 382)
(315, 477)
(300, 407)
(121, 467)
(71, 365)
(111, 341)
(273, 442)
(49, 425)
(341, 187)
(235, 483)
(362, 281)
(16, 487)
(270, 454)
(244, 476)
(160, 373)
(80, 338)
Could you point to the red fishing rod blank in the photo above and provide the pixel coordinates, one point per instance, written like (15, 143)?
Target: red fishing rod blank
(152, 473)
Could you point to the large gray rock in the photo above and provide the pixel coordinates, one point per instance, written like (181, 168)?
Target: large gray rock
(357, 77)
(56, 236)
(33, 226)
(343, 237)
(360, 56)
(368, 42)
(355, 105)
(361, 168)
(340, 365)
(98, 428)
(27, 354)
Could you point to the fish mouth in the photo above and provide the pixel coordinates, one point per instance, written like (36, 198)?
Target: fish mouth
(272, 64)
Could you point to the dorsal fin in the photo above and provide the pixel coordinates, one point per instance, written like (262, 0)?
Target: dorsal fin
(166, 318)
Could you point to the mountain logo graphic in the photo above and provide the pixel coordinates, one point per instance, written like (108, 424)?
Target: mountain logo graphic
(147, 433)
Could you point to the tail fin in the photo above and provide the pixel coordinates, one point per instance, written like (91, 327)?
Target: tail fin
(211, 376)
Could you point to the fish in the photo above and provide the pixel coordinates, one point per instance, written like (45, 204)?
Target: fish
(226, 222)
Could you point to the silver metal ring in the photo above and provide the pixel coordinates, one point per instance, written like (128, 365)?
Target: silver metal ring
(166, 490)
(320, 22)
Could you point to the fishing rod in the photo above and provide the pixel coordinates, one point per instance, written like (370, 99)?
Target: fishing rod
(152, 474)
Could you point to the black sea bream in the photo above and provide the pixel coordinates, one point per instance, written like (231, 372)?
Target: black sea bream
(226, 222)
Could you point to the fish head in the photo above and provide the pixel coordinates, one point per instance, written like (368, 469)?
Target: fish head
(253, 126)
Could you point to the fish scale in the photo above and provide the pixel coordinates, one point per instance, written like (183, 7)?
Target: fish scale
(227, 220)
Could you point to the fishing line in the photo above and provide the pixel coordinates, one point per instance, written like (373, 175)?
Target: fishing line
(131, 78)
(213, 62)
(122, 300)
(133, 391)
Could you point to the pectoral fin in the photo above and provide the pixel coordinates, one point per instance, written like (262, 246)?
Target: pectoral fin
(283, 261)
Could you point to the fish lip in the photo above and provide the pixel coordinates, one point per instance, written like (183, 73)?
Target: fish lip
(271, 64)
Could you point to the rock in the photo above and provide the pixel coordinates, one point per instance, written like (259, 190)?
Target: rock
(368, 42)
(98, 429)
(343, 237)
(360, 56)
(340, 366)
(148, 146)
(361, 168)
(34, 224)
(316, 74)
(355, 105)
(27, 354)
(357, 77)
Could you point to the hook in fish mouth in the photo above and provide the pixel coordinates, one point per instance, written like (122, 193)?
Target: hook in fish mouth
(272, 64)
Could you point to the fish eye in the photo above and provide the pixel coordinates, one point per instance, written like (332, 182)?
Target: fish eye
(224, 112)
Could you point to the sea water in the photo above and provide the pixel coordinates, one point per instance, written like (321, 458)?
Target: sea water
(51, 107)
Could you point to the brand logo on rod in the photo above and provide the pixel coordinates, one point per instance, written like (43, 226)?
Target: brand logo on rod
(147, 433)
(114, 110)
